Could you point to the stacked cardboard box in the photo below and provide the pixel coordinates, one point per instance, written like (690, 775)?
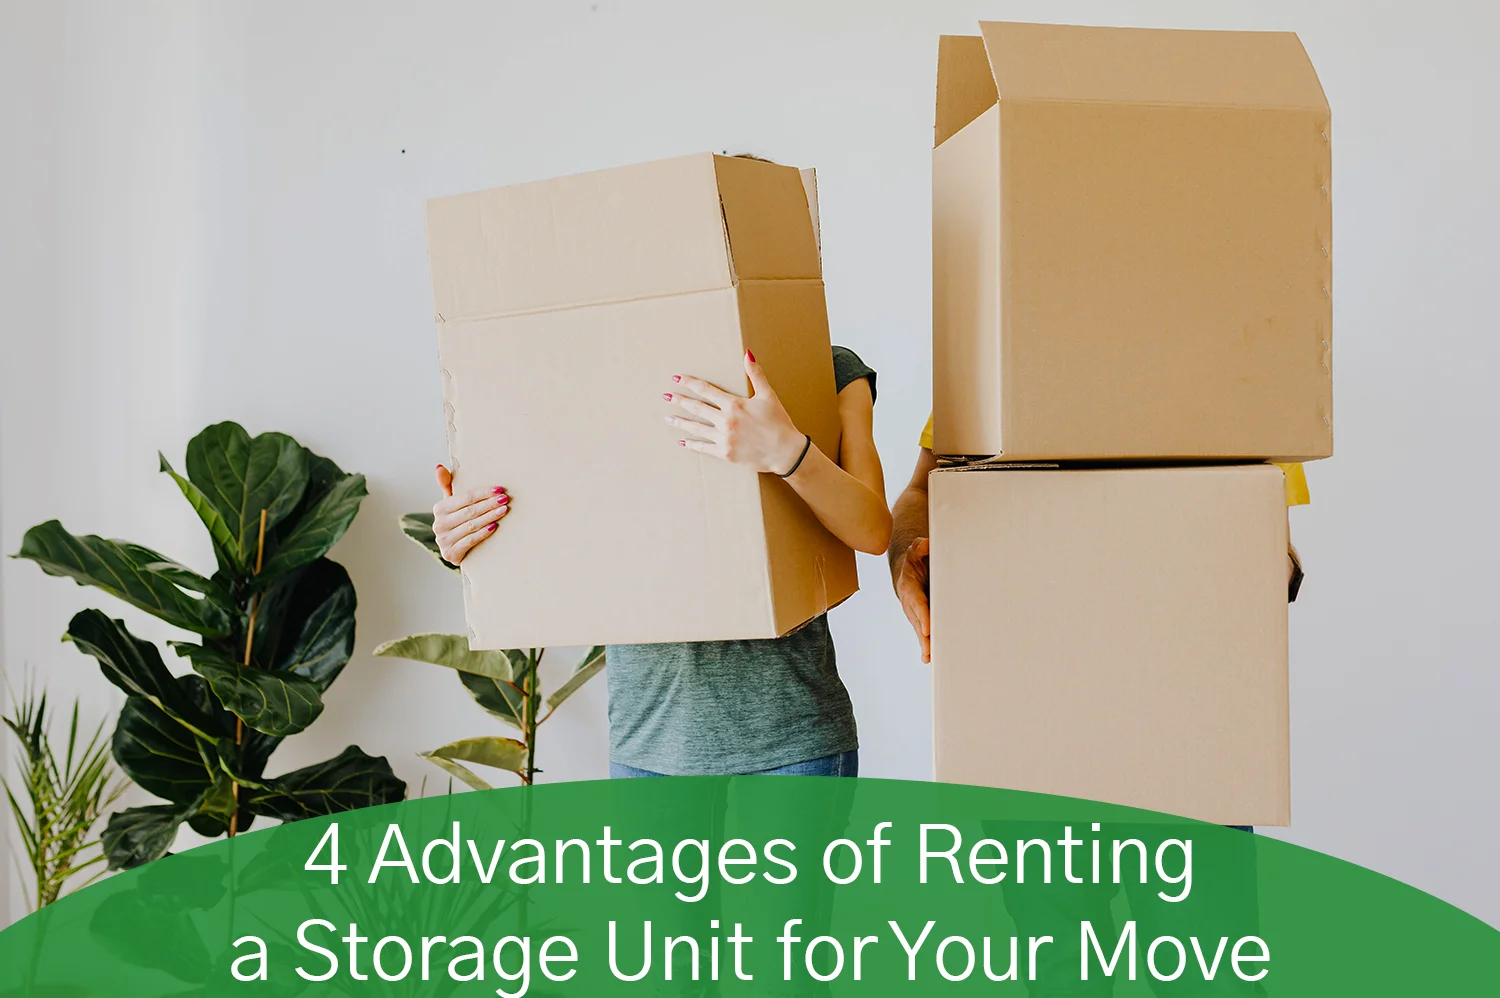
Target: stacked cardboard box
(564, 307)
(1131, 237)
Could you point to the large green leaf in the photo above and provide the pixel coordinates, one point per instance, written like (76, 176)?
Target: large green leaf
(348, 781)
(457, 769)
(159, 754)
(452, 651)
(497, 753)
(130, 923)
(590, 666)
(500, 699)
(217, 804)
(135, 574)
(309, 623)
(491, 677)
(318, 529)
(138, 835)
(255, 752)
(135, 666)
(225, 545)
(322, 475)
(241, 476)
(275, 703)
(418, 526)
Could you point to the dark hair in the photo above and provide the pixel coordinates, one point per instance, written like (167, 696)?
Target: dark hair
(751, 155)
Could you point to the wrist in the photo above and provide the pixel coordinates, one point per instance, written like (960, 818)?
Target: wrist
(791, 454)
(897, 562)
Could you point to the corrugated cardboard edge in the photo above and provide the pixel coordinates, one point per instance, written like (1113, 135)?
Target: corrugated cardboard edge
(810, 186)
(968, 257)
(965, 85)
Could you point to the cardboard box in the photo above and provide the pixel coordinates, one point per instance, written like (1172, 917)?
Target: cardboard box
(1117, 635)
(1131, 237)
(563, 309)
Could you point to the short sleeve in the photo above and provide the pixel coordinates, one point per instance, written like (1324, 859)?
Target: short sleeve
(848, 368)
(925, 440)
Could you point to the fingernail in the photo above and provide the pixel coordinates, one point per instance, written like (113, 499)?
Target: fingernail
(676, 377)
(491, 527)
(666, 396)
(497, 491)
(750, 355)
(682, 443)
(502, 500)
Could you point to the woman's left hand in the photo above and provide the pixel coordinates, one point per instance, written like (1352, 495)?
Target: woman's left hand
(756, 431)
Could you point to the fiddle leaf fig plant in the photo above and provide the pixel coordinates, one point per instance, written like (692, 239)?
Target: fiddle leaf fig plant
(504, 682)
(274, 627)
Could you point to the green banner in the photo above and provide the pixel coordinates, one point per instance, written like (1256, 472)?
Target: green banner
(749, 885)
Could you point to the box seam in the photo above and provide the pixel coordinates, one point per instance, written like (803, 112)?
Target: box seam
(604, 302)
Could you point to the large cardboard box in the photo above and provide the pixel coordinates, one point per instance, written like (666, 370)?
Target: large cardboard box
(1131, 234)
(563, 309)
(1114, 634)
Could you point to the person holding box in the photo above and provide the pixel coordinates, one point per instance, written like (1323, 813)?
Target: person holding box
(770, 706)
(1056, 910)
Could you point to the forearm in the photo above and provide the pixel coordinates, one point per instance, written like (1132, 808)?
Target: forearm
(849, 508)
(909, 523)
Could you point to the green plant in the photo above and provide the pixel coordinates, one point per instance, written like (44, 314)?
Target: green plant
(505, 683)
(65, 796)
(275, 624)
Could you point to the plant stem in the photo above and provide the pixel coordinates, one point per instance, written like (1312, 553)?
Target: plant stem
(239, 724)
(528, 717)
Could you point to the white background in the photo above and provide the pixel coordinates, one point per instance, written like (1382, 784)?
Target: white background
(213, 211)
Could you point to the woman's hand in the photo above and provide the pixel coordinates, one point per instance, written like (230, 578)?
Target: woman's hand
(463, 521)
(756, 431)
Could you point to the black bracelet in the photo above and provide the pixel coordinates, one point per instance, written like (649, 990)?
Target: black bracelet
(805, 448)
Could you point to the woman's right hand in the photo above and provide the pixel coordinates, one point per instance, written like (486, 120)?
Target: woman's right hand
(460, 522)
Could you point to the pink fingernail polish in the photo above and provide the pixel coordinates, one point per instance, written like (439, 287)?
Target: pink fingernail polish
(676, 377)
(491, 527)
(666, 396)
(750, 355)
(682, 443)
(498, 491)
(502, 500)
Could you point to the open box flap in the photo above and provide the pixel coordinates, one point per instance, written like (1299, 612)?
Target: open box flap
(1056, 62)
(640, 231)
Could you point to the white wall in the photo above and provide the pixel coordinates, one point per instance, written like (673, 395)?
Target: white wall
(213, 210)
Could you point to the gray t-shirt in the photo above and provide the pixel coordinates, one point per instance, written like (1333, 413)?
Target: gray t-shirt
(725, 707)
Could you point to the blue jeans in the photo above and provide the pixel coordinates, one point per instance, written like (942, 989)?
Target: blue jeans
(840, 764)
